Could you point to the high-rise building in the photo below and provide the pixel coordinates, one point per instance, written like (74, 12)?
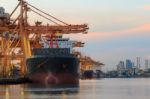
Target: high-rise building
(138, 63)
(146, 64)
(129, 64)
(121, 67)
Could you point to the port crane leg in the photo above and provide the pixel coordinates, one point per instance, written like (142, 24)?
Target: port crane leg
(24, 36)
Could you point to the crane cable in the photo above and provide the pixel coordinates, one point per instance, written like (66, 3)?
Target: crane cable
(44, 17)
(14, 39)
(6, 46)
(14, 10)
(16, 20)
(47, 14)
(12, 50)
(14, 30)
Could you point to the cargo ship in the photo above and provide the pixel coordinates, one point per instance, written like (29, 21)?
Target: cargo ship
(54, 63)
(47, 58)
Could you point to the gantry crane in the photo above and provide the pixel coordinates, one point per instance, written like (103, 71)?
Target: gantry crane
(87, 63)
(18, 37)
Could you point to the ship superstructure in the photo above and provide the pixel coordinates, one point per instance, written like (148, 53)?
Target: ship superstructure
(57, 42)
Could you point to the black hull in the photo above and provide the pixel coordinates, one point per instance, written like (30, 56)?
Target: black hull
(53, 70)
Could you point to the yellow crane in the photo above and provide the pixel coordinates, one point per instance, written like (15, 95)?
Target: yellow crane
(18, 38)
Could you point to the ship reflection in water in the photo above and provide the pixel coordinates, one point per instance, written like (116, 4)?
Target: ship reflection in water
(88, 89)
(47, 89)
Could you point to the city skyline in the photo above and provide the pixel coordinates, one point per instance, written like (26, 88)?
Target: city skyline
(119, 30)
(129, 63)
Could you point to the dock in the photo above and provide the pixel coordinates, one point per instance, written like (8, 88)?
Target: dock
(10, 80)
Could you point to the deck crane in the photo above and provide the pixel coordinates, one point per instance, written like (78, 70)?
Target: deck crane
(15, 35)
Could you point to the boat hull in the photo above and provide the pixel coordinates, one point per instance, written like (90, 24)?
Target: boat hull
(60, 70)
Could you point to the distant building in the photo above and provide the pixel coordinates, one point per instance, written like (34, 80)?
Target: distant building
(120, 68)
(138, 63)
(146, 64)
(129, 69)
(129, 64)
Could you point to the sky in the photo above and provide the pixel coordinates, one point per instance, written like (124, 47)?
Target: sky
(118, 29)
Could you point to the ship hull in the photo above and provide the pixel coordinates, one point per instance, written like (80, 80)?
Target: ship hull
(60, 70)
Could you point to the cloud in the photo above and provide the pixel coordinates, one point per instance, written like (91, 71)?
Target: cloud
(147, 56)
(135, 31)
(146, 7)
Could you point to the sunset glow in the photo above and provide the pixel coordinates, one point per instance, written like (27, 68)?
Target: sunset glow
(119, 29)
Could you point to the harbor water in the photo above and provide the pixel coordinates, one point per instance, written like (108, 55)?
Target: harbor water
(114, 88)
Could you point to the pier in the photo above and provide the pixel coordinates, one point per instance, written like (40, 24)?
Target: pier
(10, 80)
